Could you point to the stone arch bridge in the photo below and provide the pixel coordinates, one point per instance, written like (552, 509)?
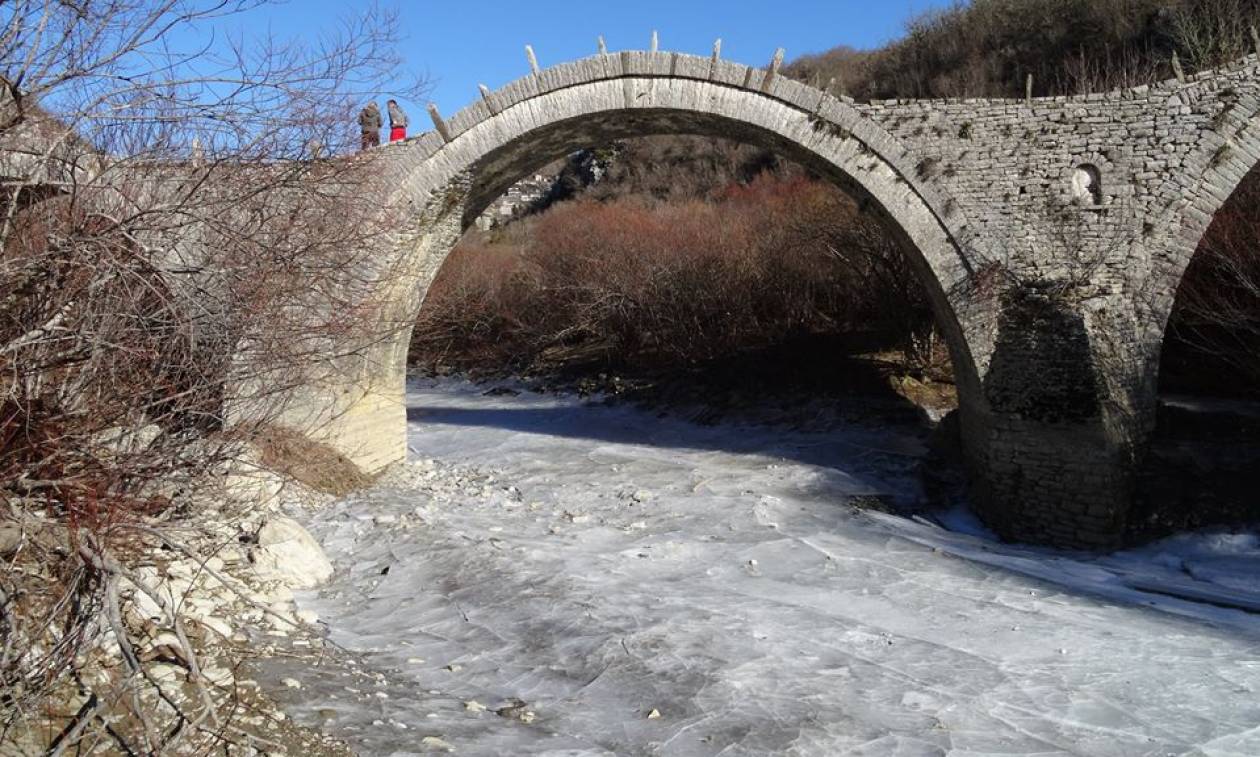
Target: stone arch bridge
(1051, 235)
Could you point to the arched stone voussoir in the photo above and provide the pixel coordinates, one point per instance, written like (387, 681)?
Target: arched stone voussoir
(677, 68)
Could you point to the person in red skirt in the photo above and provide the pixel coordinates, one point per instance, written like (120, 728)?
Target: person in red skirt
(397, 122)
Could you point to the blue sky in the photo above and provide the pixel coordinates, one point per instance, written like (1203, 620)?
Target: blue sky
(461, 43)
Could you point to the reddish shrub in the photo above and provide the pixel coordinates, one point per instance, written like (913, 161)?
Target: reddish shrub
(630, 282)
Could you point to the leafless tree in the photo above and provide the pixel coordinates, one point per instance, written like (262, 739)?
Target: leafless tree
(1212, 32)
(172, 244)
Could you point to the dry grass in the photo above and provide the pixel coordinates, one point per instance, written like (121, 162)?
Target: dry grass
(315, 464)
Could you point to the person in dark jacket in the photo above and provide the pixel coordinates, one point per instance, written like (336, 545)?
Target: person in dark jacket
(397, 122)
(370, 126)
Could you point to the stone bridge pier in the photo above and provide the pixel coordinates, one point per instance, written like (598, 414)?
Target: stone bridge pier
(1056, 439)
(1050, 236)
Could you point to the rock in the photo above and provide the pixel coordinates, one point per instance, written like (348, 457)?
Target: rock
(258, 485)
(181, 569)
(292, 683)
(280, 617)
(218, 625)
(221, 677)
(175, 590)
(288, 553)
(882, 503)
(434, 744)
(655, 714)
(249, 481)
(10, 538)
(472, 705)
(166, 673)
(272, 592)
(122, 440)
(516, 709)
(141, 603)
(164, 639)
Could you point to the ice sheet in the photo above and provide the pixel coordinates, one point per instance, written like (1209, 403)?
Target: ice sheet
(605, 566)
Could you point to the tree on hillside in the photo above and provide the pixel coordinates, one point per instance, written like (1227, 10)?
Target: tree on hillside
(987, 48)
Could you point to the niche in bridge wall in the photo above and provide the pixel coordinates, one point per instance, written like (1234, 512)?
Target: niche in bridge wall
(1086, 188)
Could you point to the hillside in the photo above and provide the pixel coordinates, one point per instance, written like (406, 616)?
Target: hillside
(987, 48)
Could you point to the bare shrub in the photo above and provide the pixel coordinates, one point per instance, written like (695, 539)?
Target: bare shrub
(169, 249)
(630, 282)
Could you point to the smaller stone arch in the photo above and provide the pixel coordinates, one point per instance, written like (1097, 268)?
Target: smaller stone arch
(1227, 149)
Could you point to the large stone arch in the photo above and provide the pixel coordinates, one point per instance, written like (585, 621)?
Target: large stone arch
(445, 179)
(1055, 373)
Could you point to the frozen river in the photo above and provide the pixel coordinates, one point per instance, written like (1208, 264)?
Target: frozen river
(620, 584)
